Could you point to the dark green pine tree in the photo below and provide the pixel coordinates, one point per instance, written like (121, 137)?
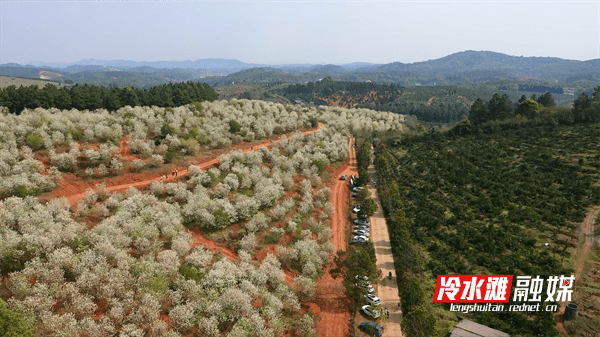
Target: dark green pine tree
(63, 99)
(48, 96)
(500, 107)
(130, 97)
(478, 112)
(547, 100)
(110, 99)
(7, 96)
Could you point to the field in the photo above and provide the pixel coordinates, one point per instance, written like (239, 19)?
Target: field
(6, 81)
(148, 221)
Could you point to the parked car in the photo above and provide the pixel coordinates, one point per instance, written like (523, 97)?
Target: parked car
(361, 232)
(362, 216)
(359, 239)
(357, 189)
(356, 209)
(362, 222)
(373, 299)
(371, 328)
(361, 229)
(366, 286)
(361, 278)
(354, 195)
(343, 177)
(374, 313)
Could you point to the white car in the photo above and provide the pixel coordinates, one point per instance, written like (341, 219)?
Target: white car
(359, 239)
(367, 286)
(357, 189)
(373, 299)
(366, 309)
(356, 209)
(343, 177)
(361, 278)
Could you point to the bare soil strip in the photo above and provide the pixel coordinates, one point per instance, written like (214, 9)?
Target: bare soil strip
(331, 296)
(74, 190)
(582, 255)
(387, 290)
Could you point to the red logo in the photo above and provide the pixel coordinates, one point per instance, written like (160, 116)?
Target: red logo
(472, 289)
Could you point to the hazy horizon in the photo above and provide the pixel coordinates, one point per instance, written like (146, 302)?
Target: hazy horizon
(290, 32)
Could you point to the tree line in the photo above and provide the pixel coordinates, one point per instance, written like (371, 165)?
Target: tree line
(500, 107)
(83, 97)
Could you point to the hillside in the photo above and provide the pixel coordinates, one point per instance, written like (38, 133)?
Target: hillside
(467, 66)
(213, 219)
(499, 202)
(6, 81)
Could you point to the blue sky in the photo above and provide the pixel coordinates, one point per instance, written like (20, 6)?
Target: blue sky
(284, 32)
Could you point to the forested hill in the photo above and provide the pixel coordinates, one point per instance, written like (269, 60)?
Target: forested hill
(467, 66)
(456, 68)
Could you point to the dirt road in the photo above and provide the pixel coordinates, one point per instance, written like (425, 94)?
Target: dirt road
(74, 189)
(331, 296)
(582, 254)
(387, 290)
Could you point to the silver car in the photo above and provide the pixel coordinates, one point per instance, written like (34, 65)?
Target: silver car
(362, 222)
(359, 239)
(373, 299)
(366, 286)
(366, 309)
(361, 232)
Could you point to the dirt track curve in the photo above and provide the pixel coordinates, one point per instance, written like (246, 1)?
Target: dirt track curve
(75, 190)
(582, 254)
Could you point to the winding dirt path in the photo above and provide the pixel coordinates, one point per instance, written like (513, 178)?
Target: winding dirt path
(582, 254)
(74, 189)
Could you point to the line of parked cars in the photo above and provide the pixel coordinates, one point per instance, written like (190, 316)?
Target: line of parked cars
(372, 309)
(361, 230)
(362, 227)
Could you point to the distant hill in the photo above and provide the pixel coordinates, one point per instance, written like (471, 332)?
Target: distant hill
(329, 69)
(466, 66)
(210, 63)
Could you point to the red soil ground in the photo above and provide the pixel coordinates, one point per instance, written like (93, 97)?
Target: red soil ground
(331, 303)
(124, 151)
(330, 296)
(73, 187)
(200, 239)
